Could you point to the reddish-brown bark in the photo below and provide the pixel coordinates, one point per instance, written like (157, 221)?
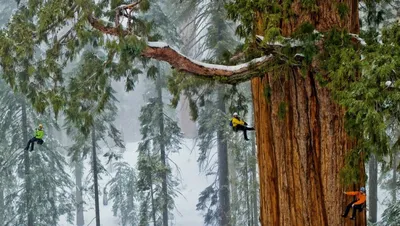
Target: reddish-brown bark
(302, 149)
(300, 131)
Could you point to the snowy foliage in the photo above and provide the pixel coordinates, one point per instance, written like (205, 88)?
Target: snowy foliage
(241, 160)
(391, 216)
(160, 136)
(50, 186)
(83, 88)
(124, 194)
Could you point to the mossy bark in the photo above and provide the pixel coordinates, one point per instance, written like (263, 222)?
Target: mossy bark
(303, 147)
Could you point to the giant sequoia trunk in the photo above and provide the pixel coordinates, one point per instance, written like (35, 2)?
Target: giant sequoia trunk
(302, 149)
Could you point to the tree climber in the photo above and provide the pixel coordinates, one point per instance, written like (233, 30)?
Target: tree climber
(37, 138)
(239, 124)
(361, 197)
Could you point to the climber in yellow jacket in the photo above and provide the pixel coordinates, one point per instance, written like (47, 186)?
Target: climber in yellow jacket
(238, 124)
(39, 133)
(361, 197)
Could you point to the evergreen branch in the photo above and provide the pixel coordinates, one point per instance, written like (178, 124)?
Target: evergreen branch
(57, 22)
(91, 221)
(193, 20)
(8, 222)
(9, 160)
(192, 44)
(162, 51)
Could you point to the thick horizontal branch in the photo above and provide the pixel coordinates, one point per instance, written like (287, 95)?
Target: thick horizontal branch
(163, 52)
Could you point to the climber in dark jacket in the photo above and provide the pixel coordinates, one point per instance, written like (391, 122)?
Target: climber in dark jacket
(357, 204)
(238, 124)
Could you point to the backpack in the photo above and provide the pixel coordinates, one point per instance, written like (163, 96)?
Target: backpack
(230, 123)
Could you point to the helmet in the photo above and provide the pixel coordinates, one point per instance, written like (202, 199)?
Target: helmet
(362, 189)
(235, 114)
(40, 126)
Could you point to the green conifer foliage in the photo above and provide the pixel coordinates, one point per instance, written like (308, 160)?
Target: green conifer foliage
(161, 136)
(124, 194)
(50, 197)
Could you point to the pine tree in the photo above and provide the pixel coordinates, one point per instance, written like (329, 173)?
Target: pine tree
(308, 90)
(217, 43)
(6, 11)
(161, 136)
(243, 173)
(6, 158)
(80, 220)
(376, 14)
(390, 216)
(82, 91)
(124, 195)
(43, 169)
(9, 155)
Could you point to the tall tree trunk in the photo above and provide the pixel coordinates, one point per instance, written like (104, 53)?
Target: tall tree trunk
(394, 178)
(153, 207)
(80, 220)
(302, 151)
(373, 189)
(28, 182)
(164, 187)
(247, 185)
(187, 125)
(254, 183)
(2, 209)
(95, 178)
(52, 200)
(233, 182)
(223, 172)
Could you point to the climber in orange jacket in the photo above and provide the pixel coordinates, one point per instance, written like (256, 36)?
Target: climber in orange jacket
(239, 124)
(361, 197)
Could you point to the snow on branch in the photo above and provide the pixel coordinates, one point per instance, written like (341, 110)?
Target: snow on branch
(389, 84)
(355, 36)
(162, 51)
(297, 43)
(291, 42)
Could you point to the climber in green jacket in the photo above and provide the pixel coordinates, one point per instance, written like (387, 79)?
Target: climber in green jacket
(37, 138)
